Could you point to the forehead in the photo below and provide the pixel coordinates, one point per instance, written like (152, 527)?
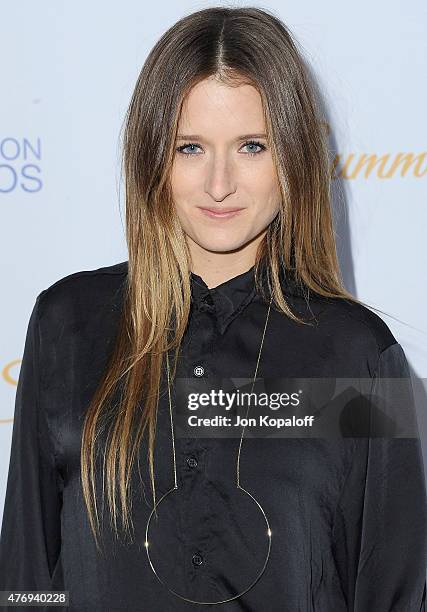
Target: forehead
(212, 106)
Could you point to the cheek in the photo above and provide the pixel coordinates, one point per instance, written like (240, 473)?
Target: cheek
(184, 186)
(264, 184)
(181, 195)
(268, 196)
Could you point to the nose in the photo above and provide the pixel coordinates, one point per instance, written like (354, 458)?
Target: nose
(220, 180)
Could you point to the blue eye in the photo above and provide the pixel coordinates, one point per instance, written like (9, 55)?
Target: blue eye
(254, 143)
(182, 148)
(193, 145)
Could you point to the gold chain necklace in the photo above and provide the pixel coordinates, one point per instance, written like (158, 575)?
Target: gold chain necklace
(175, 487)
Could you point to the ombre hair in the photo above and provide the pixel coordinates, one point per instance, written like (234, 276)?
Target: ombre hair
(235, 45)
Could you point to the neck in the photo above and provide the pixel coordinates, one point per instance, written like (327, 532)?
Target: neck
(216, 268)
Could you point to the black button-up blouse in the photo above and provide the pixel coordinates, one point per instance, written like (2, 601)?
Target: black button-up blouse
(347, 516)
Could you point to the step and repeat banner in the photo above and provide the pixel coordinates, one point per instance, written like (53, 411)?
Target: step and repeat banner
(67, 75)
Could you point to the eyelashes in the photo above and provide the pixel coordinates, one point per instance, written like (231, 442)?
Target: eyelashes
(262, 147)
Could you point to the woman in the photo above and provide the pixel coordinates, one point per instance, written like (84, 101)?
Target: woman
(232, 272)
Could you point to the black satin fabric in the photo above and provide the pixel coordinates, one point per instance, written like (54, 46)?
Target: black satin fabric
(348, 516)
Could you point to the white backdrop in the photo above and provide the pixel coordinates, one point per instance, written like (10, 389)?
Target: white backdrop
(67, 74)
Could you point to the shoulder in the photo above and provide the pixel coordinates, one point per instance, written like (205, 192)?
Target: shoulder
(359, 321)
(346, 320)
(83, 290)
(352, 332)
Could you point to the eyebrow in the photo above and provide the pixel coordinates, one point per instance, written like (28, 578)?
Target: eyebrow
(198, 137)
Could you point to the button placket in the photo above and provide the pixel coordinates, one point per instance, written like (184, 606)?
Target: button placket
(204, 321)
(212, 314)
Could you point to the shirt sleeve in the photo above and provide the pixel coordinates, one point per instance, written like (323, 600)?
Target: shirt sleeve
(379, 532)
(31, 527)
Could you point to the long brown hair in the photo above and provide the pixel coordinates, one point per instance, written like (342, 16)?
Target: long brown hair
(236, 45)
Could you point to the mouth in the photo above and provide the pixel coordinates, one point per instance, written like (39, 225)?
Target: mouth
(225, 213)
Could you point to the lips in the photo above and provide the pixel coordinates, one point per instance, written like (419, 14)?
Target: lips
(221, 213)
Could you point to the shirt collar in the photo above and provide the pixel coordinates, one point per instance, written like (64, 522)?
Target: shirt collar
(226, 300)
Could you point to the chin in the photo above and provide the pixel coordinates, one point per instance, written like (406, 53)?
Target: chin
(221, 246)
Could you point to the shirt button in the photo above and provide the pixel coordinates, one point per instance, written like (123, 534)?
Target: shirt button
(199, 370)
(207, 304)
(192, 462)
(197, 559)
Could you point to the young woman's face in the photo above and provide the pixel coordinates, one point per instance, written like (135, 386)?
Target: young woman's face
(216, 168)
